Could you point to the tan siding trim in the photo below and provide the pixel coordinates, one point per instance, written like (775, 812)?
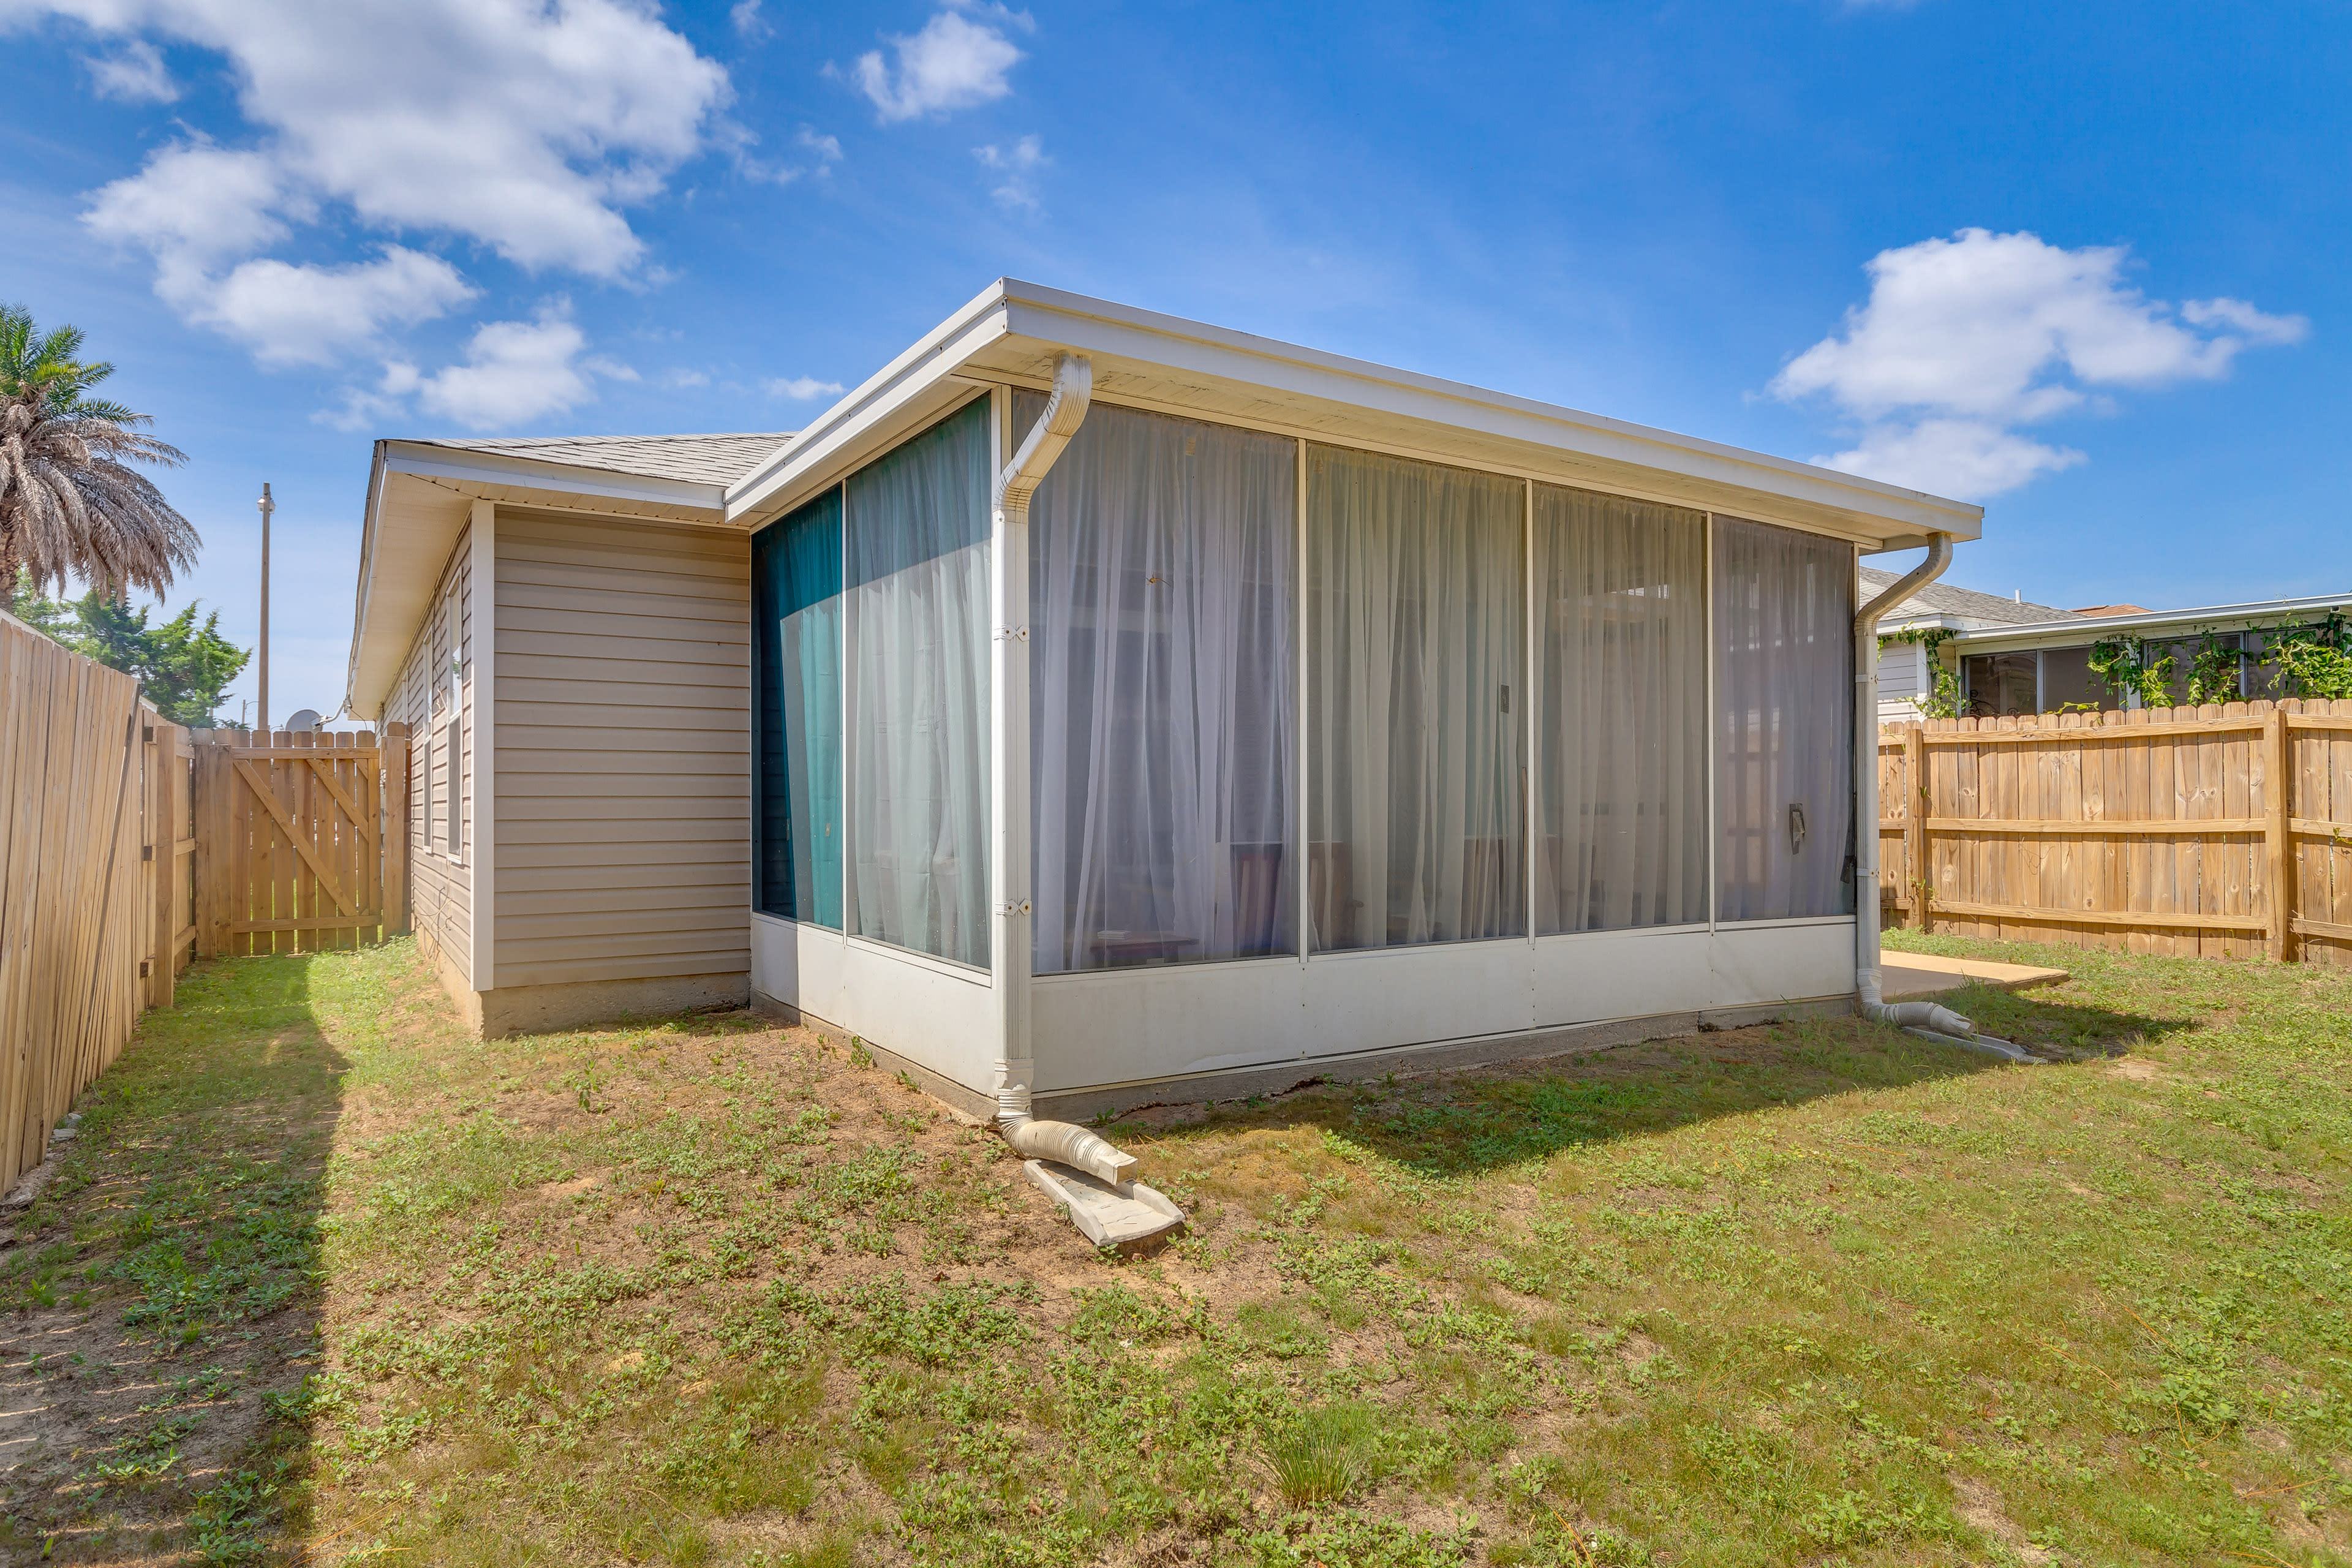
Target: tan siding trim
(553, 973)
(594, 859)
(623, 624)
(704, 651)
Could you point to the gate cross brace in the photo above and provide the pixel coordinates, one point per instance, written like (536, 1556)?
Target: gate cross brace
(325, 768)
(263, 793)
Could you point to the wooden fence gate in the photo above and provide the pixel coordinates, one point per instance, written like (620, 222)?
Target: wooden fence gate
(291, 848)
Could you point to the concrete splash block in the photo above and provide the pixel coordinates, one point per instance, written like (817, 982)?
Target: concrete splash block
(1123, 1216)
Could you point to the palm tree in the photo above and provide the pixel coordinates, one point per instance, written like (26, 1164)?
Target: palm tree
(68, 504)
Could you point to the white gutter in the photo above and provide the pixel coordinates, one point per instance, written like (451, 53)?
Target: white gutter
(1010, 948)
(1919, 1017)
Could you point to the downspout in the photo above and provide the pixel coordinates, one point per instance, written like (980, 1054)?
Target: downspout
(1062, 1142)
(1919, 1017)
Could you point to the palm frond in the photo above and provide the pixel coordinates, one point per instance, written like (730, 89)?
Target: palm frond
(69, 503)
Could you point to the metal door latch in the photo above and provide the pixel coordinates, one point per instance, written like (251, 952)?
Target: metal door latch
(1012, 634)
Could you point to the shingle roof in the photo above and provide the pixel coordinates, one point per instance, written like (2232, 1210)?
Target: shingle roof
(1945, 599)
(704, 459)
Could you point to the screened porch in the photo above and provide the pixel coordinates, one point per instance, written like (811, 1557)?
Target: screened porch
(1290, 704)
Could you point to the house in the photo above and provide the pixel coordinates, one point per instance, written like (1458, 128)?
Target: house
(2010, 657)
(1926, 618)
(1093, 698)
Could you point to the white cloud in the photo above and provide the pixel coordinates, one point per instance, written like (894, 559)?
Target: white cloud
(801, 388)
(134, 73)
(683, 378)
(192, 206)
(524, 126)
(515, 371)
(1962, 338)
(955, 62)
(1026, 157)
(824, 153)
(1951, 456)
(311, 315)
(2258, 327)
(750, 25)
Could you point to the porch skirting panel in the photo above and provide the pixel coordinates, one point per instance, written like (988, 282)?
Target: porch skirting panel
(1120, 1031)
(938, 1016)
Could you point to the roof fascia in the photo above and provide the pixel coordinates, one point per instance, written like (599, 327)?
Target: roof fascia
(865, 415)
(460, 466)
(366, 573)
(1101, 326)
(1011, 307)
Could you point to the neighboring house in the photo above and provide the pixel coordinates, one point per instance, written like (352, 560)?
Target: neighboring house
(2012, 656)
(1906, 666)
(1300, 714)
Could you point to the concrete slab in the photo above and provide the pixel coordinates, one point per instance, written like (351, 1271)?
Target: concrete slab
(1923, 976)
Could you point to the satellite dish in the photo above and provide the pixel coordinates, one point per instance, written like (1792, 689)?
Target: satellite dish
(302, 719)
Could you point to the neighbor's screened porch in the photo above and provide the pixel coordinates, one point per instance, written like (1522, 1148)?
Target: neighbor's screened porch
(1488, 708)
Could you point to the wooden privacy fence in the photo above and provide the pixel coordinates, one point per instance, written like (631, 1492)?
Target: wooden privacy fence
(2224, 831)
(96, 900)
(292, 853)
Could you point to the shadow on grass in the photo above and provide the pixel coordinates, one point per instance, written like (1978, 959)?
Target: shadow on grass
(166, 1282)
(1477, 1120)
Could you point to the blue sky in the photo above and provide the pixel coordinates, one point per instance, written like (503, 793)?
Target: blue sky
(2080, 263)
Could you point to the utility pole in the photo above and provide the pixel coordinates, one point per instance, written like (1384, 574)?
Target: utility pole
(266, 506)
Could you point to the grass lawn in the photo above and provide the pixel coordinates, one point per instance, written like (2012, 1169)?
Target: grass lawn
(320, 1279)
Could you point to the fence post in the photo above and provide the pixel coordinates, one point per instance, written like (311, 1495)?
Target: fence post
(207, 869)
(156, 772)
(393, 827)
(1915, 821)
(2277, 840)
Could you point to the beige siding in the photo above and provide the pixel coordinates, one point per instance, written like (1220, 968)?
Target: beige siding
(624, 785)
(440, 884)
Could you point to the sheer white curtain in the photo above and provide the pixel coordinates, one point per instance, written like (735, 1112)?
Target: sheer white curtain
(1415, 648)
(1162, 570)
(1620, 729)
(915, 543)
(1784, 702)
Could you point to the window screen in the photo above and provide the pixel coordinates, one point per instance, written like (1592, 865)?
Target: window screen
(1416, 641)
(1163, 589)
(1783, 619)
(2067, 681)
(453, 832)
(796, 700)
(1620, 729)
(915, 557)
(2001, 684)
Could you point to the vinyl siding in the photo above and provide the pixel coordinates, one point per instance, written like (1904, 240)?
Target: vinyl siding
(1902, 682)
(440, 887)
(624, 786)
